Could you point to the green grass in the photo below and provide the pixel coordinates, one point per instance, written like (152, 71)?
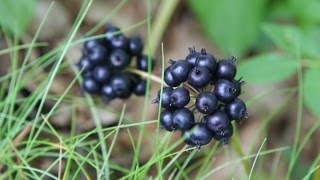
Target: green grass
(76, 155)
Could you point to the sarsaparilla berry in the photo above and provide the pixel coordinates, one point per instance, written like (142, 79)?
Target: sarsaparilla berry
(104, 62)
(201, 98)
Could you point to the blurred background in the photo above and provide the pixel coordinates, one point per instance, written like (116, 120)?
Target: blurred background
(276, 42)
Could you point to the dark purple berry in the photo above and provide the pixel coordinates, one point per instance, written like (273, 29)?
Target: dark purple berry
(206, 102)
(101, 74)
(166, 97)
(237, 110)
(166, 120)
(180, 70)
(225, 135)
(180, 97)
(91, 86)
(217, 122)
(183, 119)
(118, 42)
(85, 64)
(226, 69)
(225, 90)
(97, 54)
(119, 59)
(140, 87)
(142, 63)
(169, 79)
(91, 43)
(110, 32)
(199, 77)
(192, 56)
(237, 85)
(199, 135)
(135, 46)
(121, 85)
(206, 60)
(107, 92)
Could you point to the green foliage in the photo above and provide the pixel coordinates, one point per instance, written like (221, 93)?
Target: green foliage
(233, 24)
(267, 68)
(15, 15)
(291, 39)
(311, 87)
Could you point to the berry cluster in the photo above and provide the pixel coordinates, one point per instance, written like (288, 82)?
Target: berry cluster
(104, 61)
(216, 106)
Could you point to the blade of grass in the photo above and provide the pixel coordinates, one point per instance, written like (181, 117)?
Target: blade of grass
(256, 158)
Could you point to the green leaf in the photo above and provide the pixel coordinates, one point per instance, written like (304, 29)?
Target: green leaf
(267, 68)
(15, 15)
(232, 24)
(291, 38)
(311, 87)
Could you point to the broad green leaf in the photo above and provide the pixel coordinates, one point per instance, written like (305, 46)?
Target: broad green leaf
(15, 15)
(232, 24)
(291, 38)
(267, 68)
(311, 92)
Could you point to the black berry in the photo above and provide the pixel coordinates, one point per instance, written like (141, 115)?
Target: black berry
(224, 136)
(85, 64)
(119, 59)
(140, 87)
(107, 92)
(225, 90)
(166, 120)
(237, 110)
(142, 63)
(101, 74)
(121, 85)
(169, 79)
(166, 97)
(199, 77)
(199, 135)
(180, 70)
(206, 60)
(217, 122)
(180, 97)
(135, 46)
(118, 42)
(206, 102)
(226, 69)
(183, 119)
(192, 56)
(90, 85)
(97, 54)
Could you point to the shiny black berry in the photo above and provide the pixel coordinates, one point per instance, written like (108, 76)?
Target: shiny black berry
(166, 97)
(226, 69)
(91, 43)
(206, 60)
(140, 87)
(85, 64)
(119, 42)
(135, 46)
(97, 54)
(183, 119)
(199, 77)
(217, 122)
(225, 90)
(180, 70)
(225, 135)
(91, 86)
(206, 102)
(166, 120)
(101, 74)
(237, 85)
(107, 92)
(169, 79)
(180, 97)
(237, 110)
(121, 85)
(199, 135)
(192, 56)
(119, 59)
(142, 63)
(110, 32)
